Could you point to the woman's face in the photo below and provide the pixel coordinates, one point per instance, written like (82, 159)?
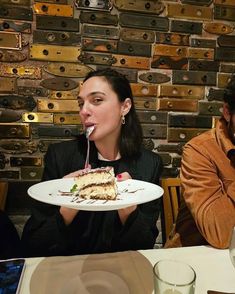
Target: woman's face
(99, 106)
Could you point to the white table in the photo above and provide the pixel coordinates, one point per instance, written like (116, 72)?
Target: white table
(213, 267)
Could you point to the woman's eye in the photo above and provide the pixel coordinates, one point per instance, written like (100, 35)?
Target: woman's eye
(80, 104)
(97, 100)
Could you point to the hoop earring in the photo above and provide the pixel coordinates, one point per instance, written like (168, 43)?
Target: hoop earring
(123, 119)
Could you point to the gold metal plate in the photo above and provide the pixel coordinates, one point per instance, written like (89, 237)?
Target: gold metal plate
(67, 119)
(71, 70)
(189, 11)
(55, 53)
(218, 28)
(131, 61)
(10, 40)
(29, 72)
(145, 103)
(7, 85)
(177, 104)
(53, 105)
(63, 95)
(37, 117)
(210, 108)
(144, 89)
(15, 26)
(183, 134)
(225, 2)
(91, 44)
(155, 7)
(53, 9)
(223, 80)
(200, 53)
(165, 50)
(137, 35)
(12, 130)
(191, 92)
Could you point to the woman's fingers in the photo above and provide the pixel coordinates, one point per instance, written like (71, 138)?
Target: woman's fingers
(123, 176)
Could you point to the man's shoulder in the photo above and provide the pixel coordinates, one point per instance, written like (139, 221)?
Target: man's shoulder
(202, 139)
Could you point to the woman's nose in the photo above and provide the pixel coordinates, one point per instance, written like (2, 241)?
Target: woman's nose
(85, 109)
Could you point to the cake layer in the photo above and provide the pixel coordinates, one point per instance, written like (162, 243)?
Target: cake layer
(106, 192)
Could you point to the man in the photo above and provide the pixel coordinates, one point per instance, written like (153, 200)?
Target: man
(207, 210)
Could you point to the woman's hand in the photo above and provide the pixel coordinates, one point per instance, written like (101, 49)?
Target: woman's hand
(69, 214)
(125, 212)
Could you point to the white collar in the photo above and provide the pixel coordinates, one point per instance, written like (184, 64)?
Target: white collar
(100, 157)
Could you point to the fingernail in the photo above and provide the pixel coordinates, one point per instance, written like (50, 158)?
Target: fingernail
(119, 176)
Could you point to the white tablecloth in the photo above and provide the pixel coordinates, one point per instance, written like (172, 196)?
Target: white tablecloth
(213, 267)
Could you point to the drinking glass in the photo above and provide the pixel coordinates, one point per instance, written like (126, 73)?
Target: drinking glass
(173, 277)
(232, 247)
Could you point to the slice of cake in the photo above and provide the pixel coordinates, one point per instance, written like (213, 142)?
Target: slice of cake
(97, 183)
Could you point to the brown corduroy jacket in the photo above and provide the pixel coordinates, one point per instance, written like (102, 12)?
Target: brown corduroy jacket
(207, 210)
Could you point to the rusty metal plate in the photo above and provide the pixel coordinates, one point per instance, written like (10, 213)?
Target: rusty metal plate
(226, 41)
(191, 92)
(57, 131)
(130, 74)
(92, 44)
(190, 121)
(7, 85)
(154, 77)
(225, 54)
(18, 147)
(186, 27)
(215, 94)
(58, 23)
(167, 62)
(25, 161)
(15, 26)
(183, 134)
(137, 35)
(100, 18)
(169, 50)
(143, 89)
(224, 12)
(54, 53)
(172, 148)
(56, 38)
(94, 5)
(13, 130)
(143, 21)
(37, 117)
(204, 65)
(230, 68)
(28, 72)
(177, 104)
(71, 70)
(59, 84)
(32, 91)
(17, 102)
(9, 115)
(197, 2)
(16, 2)
(172, 39)
(31, 173)
(154, 131)
(194, 77)
(131, 61)
(189, 12)
(67, 119)
(53, 9)
(63, 94)
(53, 1)
(55, 105)
(100, 32)
(134, 48)
(202, 42)
(10, 174)
(218, 28)
(223, 80)
(210, 108)
(9, 40)
(12, 56)
(154, 117)
(96, 58)
(17, 13)
(200, 53)
(155, 7)
(225, 2)
(145, 103)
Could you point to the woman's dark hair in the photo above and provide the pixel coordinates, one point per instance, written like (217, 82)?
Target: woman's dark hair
(229, 94)
(131, 132)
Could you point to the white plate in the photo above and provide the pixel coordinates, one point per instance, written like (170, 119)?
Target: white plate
(130, 192)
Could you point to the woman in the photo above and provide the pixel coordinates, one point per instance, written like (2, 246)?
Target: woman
(106, 103)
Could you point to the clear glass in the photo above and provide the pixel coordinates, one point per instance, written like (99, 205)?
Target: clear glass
(232, 247)
(173, 277)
